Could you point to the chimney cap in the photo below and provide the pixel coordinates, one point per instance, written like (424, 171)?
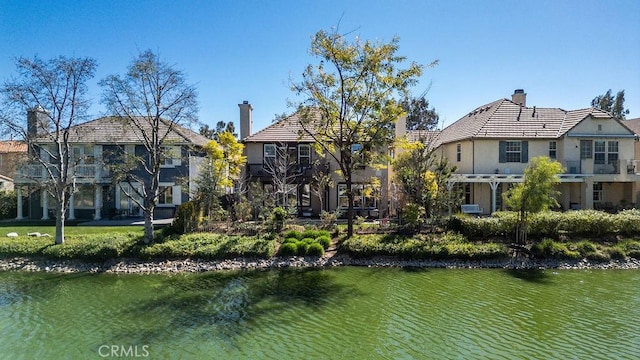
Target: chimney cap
(518, 91)
(245, 102)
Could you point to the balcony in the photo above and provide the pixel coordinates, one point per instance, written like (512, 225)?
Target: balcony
(588, 166)
(301, 170)
(82, 173)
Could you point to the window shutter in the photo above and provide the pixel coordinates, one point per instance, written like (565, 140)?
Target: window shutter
(177, 156)
(525, 152)
(502, 148)
(177, 194)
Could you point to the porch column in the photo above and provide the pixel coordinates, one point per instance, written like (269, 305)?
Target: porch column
(494, 187)
(98, 202)
(72, 207)
(45, 204)
(588, 194)
(19, 193)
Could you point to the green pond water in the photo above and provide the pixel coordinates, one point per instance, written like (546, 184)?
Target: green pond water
(342, 313)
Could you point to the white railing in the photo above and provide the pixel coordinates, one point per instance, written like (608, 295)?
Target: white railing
(86, 171)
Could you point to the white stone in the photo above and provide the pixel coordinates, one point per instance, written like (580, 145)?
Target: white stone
(36, 234)
(12, 234)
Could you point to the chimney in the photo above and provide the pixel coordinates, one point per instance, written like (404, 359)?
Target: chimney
(38, 123)
(246, 122)
(519, 97)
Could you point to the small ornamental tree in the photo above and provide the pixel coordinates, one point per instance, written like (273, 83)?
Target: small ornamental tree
(535, 193)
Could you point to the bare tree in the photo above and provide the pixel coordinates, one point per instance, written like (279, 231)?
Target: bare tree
(53, 93)
(282, 167)
(154, 99)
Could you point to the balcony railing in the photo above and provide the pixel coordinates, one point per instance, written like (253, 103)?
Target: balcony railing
(588, 166)
(303, 170)
(84, 171)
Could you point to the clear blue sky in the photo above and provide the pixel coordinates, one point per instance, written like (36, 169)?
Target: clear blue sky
(562, 53)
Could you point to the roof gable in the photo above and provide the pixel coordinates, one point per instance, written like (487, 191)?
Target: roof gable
(287, 129)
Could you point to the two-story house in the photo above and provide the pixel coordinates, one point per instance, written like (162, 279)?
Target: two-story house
(285, 137)
(94, 145)
(492, 145)
(12, 154)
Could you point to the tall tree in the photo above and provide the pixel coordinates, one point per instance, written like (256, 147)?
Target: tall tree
(614, 105)
(351, 104)
(535, 193)
(281, 167)
(221, 127)
(54, 92)
(153, 98)
(419, 115)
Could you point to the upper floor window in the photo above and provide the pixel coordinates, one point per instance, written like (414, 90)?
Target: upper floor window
(552, 149)
(170, 156)
(599, 151)
(458, 152)
(304, 154)
(269, 151)
(612, 152)
(82, 154)
(513, 151)
(586, 151)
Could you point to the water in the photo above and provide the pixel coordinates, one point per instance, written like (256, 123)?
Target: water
(344, 313)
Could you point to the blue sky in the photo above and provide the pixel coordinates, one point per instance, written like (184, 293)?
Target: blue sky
(562, 53)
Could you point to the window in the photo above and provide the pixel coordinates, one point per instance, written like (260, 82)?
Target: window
(165, 195)
(305, 195)
(585, 149)
(304, 154)
(467, 193)
(269, 151)
(364, 196)
(514, 151)
(83, 198)
(458, 152)
(552, 149)
(82, 154)
(599, 152)
(597, 192)
(170, 156)
(612, 153)
(127, 202)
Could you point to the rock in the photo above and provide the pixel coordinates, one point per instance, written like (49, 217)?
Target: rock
(46, 235)
(12, 234)
(35, 234)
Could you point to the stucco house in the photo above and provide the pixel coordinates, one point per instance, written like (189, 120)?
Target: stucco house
(93, 145)
(370, 185)
(492, 145)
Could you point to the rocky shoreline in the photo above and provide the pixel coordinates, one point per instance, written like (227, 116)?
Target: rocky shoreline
(137, 266)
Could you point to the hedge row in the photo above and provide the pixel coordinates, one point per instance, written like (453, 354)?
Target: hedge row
(584, 224)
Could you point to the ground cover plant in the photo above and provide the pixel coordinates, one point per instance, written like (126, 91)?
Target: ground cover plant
(308, 242)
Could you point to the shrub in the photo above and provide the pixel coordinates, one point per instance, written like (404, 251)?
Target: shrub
(188, 218)
(302, 248)
(277, 218)
(325, 241)
(585, 248)
(412, 215)
(293, 234)
(308, 240)
(616, 252)
(552, 249)
(631, 248)
(8, 205)
(290, 240)
(288, 249)
(315, 249)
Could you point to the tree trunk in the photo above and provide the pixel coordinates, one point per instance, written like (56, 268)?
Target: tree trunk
(349, 208)
(59, 225)
(148, 222)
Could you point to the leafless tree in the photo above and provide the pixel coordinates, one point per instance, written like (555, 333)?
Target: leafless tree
(153, 99)
(283, 169)
(54, 94)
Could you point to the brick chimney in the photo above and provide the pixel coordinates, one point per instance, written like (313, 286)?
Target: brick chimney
(246, 122)
(519, 97)
(38, 122)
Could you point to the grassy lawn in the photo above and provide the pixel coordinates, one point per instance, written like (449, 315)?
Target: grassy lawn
(24, 227)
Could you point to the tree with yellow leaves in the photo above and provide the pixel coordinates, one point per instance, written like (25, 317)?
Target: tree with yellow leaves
(222, 166)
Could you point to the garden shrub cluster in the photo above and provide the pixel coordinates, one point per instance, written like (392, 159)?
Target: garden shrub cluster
(431, 246)
(308, 242)
(549, 248)
(584, 224)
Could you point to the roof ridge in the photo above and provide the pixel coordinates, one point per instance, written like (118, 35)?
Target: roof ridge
(493, 111)
(288, 117)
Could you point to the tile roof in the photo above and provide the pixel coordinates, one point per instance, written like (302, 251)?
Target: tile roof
(11, 146)
(426, 136)
(287, 129)
(506, 119)
(114, 130)
(633, 125)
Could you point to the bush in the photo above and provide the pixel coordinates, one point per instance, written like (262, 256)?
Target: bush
(293, 234)
(315, 249)
(616, 252)
(551, 249)
(188, 218)
(325, 241)
(288, 249)
(308, 240)
(277, 218)
(585, 248)
(8, 205)
(290, 240)
(303, 247)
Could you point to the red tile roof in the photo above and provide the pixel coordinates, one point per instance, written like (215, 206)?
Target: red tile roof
(11, 146)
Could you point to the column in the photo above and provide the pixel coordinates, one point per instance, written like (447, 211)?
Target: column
(449, 189)
(19, 193)
(494, 187)
(588, 193)
(72, 207)
(98, 202)
(45, 204)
